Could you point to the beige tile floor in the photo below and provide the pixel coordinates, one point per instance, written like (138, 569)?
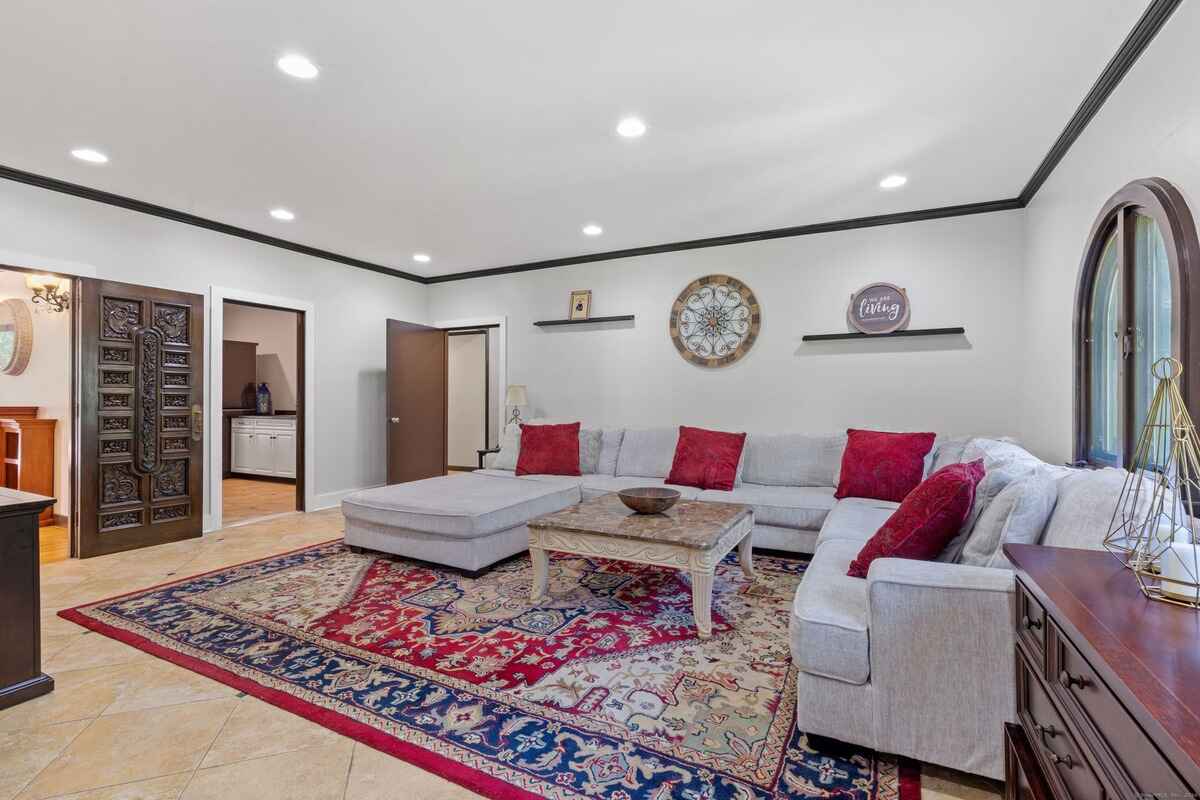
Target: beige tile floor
(123, 725)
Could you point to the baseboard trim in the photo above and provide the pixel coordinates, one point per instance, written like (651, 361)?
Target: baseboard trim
(334, 499)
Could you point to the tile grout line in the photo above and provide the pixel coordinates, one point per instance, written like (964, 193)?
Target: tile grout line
(57, 755)
(349, 769)
(204, 755)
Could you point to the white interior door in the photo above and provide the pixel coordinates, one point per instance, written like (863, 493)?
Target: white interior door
(467, 397)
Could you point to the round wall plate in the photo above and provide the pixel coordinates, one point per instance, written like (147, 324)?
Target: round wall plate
(715, 321)
(878, 308)
(16, 337)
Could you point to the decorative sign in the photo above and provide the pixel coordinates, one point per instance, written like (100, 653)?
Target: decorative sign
(878, 308)
(715, 321)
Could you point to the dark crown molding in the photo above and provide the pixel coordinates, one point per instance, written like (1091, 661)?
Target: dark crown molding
(1150, 23)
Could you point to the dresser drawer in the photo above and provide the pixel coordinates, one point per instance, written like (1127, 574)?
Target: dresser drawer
(1084, 696)
(1064, 762)
(1031, 622)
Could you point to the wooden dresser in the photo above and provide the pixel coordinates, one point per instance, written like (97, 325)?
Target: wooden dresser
(21, 676)
(27, 453)
(1108, 683)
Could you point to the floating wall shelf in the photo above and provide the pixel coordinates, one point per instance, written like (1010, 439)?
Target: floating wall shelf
(829, 337)
(547, 322)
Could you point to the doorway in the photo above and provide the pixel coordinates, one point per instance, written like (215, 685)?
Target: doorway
(471, 396)
(261, 408)
(36, 423)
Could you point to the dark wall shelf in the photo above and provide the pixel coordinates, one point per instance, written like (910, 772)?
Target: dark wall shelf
(829, 337)
(547, 322)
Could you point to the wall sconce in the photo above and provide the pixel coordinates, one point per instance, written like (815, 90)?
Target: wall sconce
(46, 289)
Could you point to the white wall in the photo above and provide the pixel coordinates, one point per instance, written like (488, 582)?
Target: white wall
(274, 332)
(42, 229)
(46, 382)
(1150, 127)
(961, 271)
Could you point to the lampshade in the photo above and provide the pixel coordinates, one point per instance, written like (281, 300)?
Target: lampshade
(35, 281)
(517, 396)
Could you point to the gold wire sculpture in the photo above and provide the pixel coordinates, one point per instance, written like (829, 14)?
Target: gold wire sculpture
(1153, 531)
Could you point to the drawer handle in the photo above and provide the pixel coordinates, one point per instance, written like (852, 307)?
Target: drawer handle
(1067, 680)
(1031, 624)
(1049, 731)
(1061, 761)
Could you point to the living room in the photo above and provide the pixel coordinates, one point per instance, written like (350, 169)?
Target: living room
(966, 230)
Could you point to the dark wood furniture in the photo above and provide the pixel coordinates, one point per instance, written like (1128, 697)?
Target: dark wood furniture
(1108, 683)
(27, 453)
(21, 676)
(482, 453)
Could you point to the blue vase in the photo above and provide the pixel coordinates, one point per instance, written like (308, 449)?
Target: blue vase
(262, 400)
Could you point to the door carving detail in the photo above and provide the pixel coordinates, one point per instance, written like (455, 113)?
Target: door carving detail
(118, 484)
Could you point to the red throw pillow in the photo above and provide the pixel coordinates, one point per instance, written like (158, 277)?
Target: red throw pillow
(926, 521)
(882, 466)
(549, 450)
(706, 459)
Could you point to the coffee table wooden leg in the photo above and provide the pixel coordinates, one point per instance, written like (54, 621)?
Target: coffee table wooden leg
(541, 572)
(702, 585)
(746, 556)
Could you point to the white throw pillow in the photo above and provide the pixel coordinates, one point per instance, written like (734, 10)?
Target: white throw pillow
(1017, 515)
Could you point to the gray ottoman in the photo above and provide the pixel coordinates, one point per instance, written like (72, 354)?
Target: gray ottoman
(464, 521)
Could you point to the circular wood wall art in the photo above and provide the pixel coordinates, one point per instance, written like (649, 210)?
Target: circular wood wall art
(715, 321)
(16, 337)
(878, 308)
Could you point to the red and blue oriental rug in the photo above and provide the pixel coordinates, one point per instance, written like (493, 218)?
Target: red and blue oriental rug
(601, 691)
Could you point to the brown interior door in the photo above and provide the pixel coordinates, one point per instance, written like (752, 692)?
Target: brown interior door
(416, 401)
(141, 388)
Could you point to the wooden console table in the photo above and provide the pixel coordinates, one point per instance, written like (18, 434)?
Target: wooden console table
(27, 453)
(1108, 683)
(21, 676)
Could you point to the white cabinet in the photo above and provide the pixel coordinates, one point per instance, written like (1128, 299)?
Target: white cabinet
(264, 446)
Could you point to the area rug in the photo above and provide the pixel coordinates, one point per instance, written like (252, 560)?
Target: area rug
(603, 690)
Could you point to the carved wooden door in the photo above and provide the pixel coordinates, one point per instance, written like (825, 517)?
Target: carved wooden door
(140, 392)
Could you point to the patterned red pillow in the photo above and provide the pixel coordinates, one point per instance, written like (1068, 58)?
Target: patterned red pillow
(926, 521)
(549, 450)
(706, 459)
(882, 466)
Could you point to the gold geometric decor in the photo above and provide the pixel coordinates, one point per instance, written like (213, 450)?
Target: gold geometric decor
(1153, 531)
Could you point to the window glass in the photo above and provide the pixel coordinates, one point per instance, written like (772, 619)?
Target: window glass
(1104, 334)
(1152, 299)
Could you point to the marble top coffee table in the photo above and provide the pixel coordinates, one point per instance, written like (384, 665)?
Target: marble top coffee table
(690, 536)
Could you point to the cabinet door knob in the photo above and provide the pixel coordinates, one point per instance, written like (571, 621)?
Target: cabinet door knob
(1067, 680)
(1031, 624)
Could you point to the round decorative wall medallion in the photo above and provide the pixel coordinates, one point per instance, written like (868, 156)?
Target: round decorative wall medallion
(16, 337)
(715, 321)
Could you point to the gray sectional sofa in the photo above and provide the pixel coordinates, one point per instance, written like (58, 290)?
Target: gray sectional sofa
(916, 659)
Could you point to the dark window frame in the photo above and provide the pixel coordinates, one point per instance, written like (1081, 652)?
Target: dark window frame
(1158, 199)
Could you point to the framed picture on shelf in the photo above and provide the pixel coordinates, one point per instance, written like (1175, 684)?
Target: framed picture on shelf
(581, 304)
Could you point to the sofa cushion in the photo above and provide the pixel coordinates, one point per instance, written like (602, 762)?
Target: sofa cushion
(930, 516)
(793, 459)
(560, 480)
(595, 485)
(882, 465)
(1017, 515)
(549, 450)
(459, 506)
(647, 453)
(829, 631)
(610, 448)
(591, 448)
(798, 507)
(706, 459)
(1084, 511)
(855, 519)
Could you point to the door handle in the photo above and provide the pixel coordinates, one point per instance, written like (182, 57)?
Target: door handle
(197, 423)
(395, 420)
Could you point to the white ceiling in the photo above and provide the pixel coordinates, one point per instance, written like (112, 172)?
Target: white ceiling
(482, 132)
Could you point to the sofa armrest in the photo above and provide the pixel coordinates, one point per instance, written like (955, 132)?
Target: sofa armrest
(942, 661)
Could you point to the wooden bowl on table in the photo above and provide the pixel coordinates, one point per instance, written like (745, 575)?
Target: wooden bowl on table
(649, 499)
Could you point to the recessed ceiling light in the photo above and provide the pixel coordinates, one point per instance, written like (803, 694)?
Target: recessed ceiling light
(89, 155)
(631, 127)
(422, 258)
(282, 214)
(297, 66)
(893, 182)
(592, 229)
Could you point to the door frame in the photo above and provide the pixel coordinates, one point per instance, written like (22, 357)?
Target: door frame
(501, 328)
(214, 442)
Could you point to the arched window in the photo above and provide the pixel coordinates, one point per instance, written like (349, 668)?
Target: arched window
(1133, 303)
